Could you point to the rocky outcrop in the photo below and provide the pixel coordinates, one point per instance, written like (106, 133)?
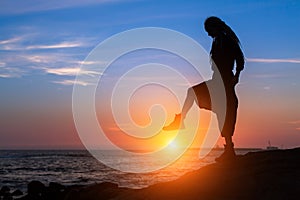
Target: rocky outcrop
(258, 175)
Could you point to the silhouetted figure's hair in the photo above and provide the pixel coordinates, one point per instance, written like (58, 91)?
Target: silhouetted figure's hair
(216, 22)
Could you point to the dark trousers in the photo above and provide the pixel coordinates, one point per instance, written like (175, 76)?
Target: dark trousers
(219, 98)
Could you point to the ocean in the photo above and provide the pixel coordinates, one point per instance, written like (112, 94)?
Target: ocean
(78, 167)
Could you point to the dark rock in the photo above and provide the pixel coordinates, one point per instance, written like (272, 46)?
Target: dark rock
(5, 193)
(4, 190)
(17, 193)
(36, 189)
(101, 191)
(260, 175)
(55, 191)
(7, 197)
(57, 187)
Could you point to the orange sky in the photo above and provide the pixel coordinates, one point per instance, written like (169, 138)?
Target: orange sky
(40, 56)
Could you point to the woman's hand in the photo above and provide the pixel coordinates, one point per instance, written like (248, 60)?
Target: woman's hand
(235, 80)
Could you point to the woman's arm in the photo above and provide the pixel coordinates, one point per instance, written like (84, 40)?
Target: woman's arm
(240, 62)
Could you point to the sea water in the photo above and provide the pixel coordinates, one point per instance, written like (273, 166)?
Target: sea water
(79, 167)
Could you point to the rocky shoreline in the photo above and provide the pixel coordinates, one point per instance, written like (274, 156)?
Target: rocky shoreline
(258, 175)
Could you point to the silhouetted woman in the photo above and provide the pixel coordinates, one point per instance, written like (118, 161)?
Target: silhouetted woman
(225, 52)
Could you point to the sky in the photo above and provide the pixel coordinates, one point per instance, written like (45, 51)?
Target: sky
(43, 43)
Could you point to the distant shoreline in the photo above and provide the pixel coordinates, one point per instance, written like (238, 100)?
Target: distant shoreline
(54, 149)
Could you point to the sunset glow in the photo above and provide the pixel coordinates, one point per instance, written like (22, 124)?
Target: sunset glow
(43, 46)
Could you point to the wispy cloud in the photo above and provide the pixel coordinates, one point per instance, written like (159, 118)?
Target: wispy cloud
(35, 58)
(5, 75)
(11, 43)
(19, 7)
(273, 60)
(19, 58)
(36, 41)
(10, 40)
(72, 82)
(10, 72)
(63, 71)
(294, 122)
(60, 64)
(70, 71)
(90, 62)
(56, 46)
(267, 76)
(51, 57)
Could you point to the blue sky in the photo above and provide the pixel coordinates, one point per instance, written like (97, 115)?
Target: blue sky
(42, 44)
